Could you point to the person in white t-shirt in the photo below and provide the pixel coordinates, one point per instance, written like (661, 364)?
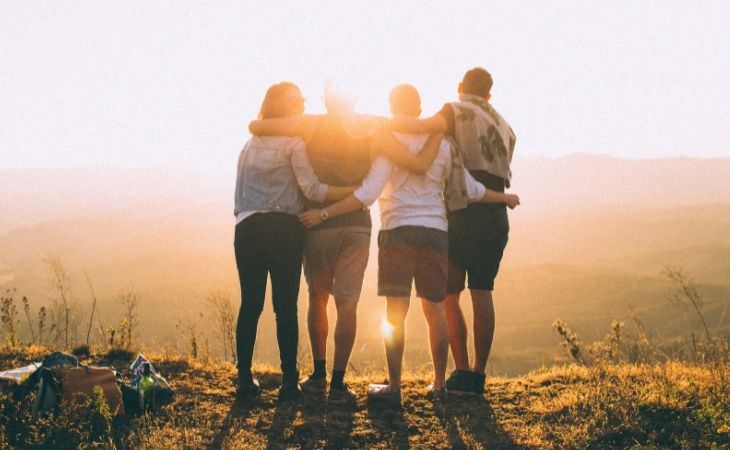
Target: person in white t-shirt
(413, 242)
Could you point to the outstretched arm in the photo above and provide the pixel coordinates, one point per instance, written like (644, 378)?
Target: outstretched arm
(302, 126)
(385, 143)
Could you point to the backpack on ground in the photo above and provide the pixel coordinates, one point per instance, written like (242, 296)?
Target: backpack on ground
(59, 385)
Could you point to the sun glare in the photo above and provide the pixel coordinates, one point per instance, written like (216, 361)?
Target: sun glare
(387, 329)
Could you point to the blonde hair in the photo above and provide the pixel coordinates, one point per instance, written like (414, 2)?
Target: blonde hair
(275, 102)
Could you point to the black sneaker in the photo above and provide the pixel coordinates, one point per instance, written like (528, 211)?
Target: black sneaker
(341, 394)
(247, 387)
(480, 380)
(460, 383)
(290, 388)
(314, 385)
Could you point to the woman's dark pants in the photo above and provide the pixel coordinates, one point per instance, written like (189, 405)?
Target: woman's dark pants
(269, 244)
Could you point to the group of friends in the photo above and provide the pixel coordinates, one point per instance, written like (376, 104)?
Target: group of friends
(303, 189)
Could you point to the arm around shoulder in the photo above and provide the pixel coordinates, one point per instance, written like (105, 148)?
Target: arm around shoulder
(386, 144)
(302, 126)
(433, 124)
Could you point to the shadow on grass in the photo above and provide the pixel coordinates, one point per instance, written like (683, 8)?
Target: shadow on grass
(469, 421)
(257, 407)
(236, 415)
(279, 434)
(389, 422)
(339, 421)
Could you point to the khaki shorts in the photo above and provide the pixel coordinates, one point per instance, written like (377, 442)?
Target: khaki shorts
(335, 261)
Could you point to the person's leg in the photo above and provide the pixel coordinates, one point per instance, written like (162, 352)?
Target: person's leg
(286, 267)
(252, 272)
(317, 325)
(483, 308)
(345, 331)
(438, 337)
(396, 310)
(344, 339)
(349, 271)
(318, 269)
(461, 253)
(482, 272)
(395, 276)
(430, 248)
(457, 331)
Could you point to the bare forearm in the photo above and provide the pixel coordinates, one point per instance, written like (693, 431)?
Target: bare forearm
(314, 217)
(338, 192)
(419, 163)
(434, 124)
(344, 206)
(490, 196)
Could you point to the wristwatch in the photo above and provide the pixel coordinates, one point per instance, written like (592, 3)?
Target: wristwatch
(323, 214)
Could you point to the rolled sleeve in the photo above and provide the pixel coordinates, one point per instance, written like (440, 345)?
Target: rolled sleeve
(374, 182)
(474, 189)
(307, 180)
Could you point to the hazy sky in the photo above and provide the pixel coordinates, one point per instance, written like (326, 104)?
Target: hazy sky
(140, 83)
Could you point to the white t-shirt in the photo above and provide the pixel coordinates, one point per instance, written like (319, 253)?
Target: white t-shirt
(409, 198)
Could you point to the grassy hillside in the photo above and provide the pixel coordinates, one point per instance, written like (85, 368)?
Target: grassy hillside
(671, 405)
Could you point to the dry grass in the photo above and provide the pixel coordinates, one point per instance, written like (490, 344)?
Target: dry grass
(671, 405)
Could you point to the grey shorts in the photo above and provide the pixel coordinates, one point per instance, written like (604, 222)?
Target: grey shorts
(335, 261)
(411, 253)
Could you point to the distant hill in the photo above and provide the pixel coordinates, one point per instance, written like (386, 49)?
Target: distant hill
(545, 184)
(587, 180)
(31, 196)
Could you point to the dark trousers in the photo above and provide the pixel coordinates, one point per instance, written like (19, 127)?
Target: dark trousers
(269, 244)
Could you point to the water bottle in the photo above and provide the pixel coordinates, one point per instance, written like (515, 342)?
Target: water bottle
(146, 385)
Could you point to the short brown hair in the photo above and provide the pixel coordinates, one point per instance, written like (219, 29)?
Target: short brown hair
(275, 104)
(477, 81)
(404, 99)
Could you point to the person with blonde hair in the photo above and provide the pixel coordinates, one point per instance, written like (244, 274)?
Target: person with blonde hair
(274, 174)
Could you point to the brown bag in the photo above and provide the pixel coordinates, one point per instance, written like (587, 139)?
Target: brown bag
(83, 379)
